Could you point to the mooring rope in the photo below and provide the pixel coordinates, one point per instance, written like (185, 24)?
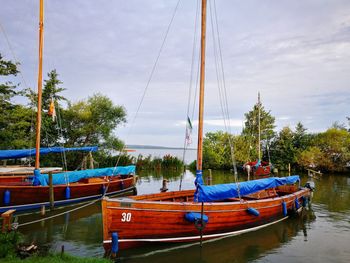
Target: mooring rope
(60, 214)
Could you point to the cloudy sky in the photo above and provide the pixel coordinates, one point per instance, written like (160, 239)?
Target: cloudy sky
(296, 53)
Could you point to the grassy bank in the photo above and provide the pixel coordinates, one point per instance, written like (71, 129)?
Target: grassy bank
(55, 258)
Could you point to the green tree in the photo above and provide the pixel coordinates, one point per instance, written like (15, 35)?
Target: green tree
(15, 120)
(335, 144)
(93, 121)
(50, 128)
(7, 89)
(251, 129)
(216, 151)
(312, 157)
(301, 139)
(284, 149)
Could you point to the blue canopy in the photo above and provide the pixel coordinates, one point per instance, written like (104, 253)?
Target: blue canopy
(208, 193)
(75, 176)
(15, 154)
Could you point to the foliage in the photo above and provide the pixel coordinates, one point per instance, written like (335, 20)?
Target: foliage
(8, 110)
(311, 157)
(251, 129)
(335, 144)
(18, 131)
(56, 258)
(284, 149)
(8, 243)
(216, 150)
(169, 161)
(7, 89)
(157, 163)
(92, 121)
(50, 128)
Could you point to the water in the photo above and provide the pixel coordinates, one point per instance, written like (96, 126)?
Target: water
(321, 234)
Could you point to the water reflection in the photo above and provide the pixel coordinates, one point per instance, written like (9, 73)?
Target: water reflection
(294, 239)
(241, 248)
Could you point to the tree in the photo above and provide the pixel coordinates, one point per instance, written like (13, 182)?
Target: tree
(335, 144)
(12, 116)
(7, 89)
(93, 121)
(312, 157)
(51, 91)
(284, 149)
(50, 128)
(216, 151)
(251, 129)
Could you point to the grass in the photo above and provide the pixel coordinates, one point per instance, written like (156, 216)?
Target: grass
(54, 258)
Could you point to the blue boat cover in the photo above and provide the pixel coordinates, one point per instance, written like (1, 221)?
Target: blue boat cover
(208, 193)
(15, 154)
(75, 176)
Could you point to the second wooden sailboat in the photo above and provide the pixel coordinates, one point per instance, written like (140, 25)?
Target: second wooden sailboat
(206, 212)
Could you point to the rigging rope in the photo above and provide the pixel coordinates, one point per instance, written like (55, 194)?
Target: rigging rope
(220, 75)
(219, 66)
(190, 91)
(145, 89)
(22, 77)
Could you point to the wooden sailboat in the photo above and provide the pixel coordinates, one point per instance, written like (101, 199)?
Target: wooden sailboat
(204, 213)
(32, 192)
(258, 167)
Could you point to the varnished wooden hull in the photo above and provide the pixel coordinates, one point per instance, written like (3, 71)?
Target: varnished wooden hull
(263, 169)
(138, 221)
(28, 197)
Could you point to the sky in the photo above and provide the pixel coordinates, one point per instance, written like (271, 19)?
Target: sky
(296, 53)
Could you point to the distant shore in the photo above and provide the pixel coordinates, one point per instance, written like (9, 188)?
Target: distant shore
(131, 146)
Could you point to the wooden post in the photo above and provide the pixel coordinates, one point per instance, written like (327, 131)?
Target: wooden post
(91, 160)
(42, 211)
(164, 187)
(51, 192)
(6, 220)
(210, 178)
(62, 251)
(289, 169)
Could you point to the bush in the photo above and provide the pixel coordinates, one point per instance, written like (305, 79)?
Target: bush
(8, 243)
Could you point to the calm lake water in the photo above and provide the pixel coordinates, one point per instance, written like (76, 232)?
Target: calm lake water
(320, 234)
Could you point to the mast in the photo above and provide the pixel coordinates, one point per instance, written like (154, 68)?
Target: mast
(201, 90)
(259, 128)
(40, 84)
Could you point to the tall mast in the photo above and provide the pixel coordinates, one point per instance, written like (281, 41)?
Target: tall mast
(259, 128)
(40, 84)
(201, 90)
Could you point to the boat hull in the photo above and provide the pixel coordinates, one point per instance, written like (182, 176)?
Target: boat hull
(28, 197)
(141, 221)
(262, 169)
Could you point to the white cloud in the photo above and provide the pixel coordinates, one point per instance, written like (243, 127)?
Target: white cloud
(297, 55)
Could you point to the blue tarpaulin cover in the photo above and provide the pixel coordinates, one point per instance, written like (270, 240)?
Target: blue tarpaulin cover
(208, 193)
(15, 154)
(75, 176)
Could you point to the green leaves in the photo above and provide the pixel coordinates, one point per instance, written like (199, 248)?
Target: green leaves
(251, 129)
(93, 121)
